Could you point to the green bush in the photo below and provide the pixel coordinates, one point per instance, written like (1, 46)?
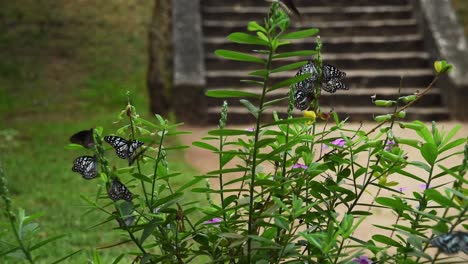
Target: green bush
(300, 196)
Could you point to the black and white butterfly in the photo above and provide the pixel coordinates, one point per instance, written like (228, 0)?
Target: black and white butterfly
(118, 191)
(86, 166)
(84, 138)
(451, 243)
(330, 82)
(125, 149)
(331, 79)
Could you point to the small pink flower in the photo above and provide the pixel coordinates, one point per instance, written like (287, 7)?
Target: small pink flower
(215, 220)
(301, 166)
(362, 260)
(338, 142)
(250, 129)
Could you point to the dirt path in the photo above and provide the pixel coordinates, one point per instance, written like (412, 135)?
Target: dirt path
(206, 161)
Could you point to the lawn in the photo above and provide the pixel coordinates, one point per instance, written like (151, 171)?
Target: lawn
(66, 66)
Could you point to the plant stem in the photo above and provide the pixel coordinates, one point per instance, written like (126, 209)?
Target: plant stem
(158, 159)
(254, 158)
(20, 242)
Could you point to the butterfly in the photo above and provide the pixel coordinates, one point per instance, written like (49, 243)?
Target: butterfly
(84, 138)
(123, 148)
(86, 166)
(331, 79)
(330, 82)
(451, 243)
(118, 191)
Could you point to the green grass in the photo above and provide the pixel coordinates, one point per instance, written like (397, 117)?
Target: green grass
(66, 66)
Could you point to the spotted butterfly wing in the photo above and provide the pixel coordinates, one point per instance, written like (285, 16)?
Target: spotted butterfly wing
(86, 166)
(331, 79)
(302, 99)
(123, 148)
(118, 191)
(84, 138)
(451, 243)
(307, 84)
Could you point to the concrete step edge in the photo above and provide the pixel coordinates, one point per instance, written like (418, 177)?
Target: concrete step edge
(354, 56)
(333, 40)
(332, 24)
(339, 109)
(311, 10)
(349, 73)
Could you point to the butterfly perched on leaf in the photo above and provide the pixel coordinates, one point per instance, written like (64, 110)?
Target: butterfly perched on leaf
(118, 191)
(125, 149)
(86, 166)
(451, 243)
(305, 90)
(288, 6)
(84, 138)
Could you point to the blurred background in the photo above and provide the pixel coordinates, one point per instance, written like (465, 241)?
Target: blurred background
(67, 65)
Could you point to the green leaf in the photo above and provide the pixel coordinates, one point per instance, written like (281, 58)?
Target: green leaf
(230, 132)
(289, 81)
(229, 94)
(189, 184)
(288, 67)
(259, 73)
(250, 107)
(147, 231)
(452, 133)
(392, 203)
(141, 177)
(46, 241)
(118, 259)
(238, 56)
(300, 34)
(74, 146)
(281, 223)
(386, 240)
(298, 120)
(435, 196)
(429, 152)
(244, 38)
(254, 26)
(66, 257)
(168, 200)
(452, 144)
(204, 145)
(300, 53)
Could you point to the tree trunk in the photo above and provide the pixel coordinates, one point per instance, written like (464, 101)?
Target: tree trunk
(160, 58)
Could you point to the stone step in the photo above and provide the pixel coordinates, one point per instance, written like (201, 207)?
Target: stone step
(239, 115)
(311, 13)
(356, 97)
(354, 78)
(355, 44)
(221, 28)
(369, 60)
(300, 3)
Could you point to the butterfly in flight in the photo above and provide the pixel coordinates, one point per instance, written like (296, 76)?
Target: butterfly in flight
(330, 82)
(86, 166)
(125, 149)
(118, 191)
(84, 138)
(451, 243)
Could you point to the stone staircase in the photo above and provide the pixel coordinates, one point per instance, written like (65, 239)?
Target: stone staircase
(375, 42)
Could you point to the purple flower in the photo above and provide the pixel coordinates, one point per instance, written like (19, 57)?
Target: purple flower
(362, 260)
(389, 145)
(402, 189)
(298, 165)
(423, 186)
(251, 129)
(338, 142)
(215, 220)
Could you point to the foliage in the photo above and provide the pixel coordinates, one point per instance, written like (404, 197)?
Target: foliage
(300, 194)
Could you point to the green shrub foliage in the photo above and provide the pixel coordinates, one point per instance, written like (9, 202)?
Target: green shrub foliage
(288, 192)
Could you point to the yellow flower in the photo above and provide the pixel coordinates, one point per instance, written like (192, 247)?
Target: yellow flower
(310, 115)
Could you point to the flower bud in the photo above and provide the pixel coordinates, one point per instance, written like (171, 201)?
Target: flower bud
(385, 103)
(383, 118)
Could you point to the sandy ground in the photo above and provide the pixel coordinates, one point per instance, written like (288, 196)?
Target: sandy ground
(205, 161)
